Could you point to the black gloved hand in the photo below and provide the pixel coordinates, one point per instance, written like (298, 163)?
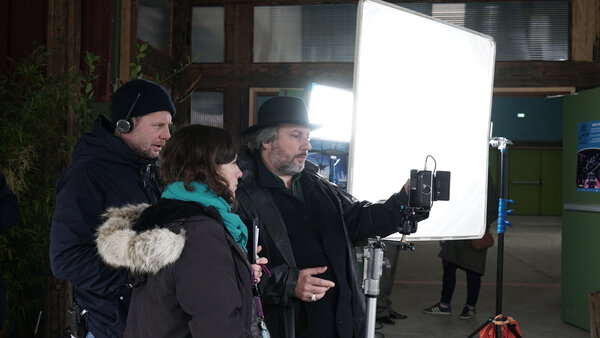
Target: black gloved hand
(398, 200)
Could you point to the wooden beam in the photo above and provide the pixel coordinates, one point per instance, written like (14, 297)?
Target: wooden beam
(64, 47)
(4, 31)
(96, 17)
(235, 109)
(271, 75)
(239, 33)
(534, 91)
(181, 49)
(63, 34)
(127, 46)
(581, 75)
(156, 63)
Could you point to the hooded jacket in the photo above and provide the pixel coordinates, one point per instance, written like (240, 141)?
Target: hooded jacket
(104, 173)
(191, 277)
(359, 220)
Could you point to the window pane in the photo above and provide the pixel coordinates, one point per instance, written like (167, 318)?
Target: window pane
(528, 30)
(208, 34)
(154, 23)
(312, 33)
(207, 108)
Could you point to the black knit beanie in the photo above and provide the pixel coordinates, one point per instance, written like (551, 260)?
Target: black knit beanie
(153, 98)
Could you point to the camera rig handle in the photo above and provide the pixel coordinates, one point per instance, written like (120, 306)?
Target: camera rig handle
(405, 245)
(410, 217)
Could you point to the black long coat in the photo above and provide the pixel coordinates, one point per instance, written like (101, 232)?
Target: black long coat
(360, 220)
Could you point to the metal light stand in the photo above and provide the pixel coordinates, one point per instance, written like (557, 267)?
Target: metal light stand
(333, 161)
(373, 267)
(500, 143)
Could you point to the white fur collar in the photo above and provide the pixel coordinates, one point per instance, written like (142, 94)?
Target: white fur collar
(145, 252)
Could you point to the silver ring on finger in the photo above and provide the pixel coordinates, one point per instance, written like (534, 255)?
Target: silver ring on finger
(313, 298)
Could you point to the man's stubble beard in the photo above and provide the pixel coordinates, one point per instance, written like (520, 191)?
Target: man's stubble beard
(285, 167)
(145, 153)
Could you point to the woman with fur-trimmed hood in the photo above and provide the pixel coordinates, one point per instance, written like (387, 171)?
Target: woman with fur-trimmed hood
(191, 272)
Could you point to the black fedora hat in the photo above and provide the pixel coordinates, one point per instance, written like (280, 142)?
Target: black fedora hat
(281, 109)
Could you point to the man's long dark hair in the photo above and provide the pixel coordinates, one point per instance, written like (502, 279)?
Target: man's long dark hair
(194, 153)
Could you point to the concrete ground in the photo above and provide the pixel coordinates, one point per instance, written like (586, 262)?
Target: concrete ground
(530, 293)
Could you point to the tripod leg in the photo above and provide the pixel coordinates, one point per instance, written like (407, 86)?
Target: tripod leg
(490, 320)
(512, 329)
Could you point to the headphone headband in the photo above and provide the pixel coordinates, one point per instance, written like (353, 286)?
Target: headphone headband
(123, 125)
(132, 106)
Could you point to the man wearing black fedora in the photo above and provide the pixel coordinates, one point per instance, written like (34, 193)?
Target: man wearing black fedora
(308, 228)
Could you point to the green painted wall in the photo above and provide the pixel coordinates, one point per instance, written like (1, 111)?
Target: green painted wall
(580, 229)
(535, 181)
(551, 186)
(524, 181)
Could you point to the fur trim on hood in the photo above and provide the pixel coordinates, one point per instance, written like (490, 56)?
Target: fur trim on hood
(141, 252)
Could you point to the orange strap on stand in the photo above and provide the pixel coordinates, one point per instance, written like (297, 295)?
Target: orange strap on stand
(510, 328)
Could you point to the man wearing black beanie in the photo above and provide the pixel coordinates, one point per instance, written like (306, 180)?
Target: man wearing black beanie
(113, 165)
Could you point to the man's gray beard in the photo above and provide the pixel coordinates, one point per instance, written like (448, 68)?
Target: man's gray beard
(286, 168)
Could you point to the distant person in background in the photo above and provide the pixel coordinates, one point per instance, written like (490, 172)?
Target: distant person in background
(385, 314)
(9, 214)
(461, 254)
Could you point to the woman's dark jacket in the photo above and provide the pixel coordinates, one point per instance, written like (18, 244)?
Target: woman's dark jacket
(359, 220)
(192, 279)
(105, 173)
(461, 252)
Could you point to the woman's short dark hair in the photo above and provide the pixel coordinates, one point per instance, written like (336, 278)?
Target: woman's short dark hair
(194, 153)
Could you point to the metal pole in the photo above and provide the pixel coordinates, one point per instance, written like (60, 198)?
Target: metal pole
(500, 143)
(500, 259)
(373, 265)
(502, 223)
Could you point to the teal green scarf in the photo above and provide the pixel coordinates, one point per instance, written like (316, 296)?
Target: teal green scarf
(205, 196)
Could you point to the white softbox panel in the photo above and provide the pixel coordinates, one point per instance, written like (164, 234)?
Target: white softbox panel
(422, 87)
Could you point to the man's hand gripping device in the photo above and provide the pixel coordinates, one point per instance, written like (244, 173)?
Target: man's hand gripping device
(425, 187)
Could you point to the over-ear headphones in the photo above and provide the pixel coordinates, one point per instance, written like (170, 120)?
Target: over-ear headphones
(124, 125)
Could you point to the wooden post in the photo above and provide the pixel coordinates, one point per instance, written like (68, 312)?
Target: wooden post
(239, 37)
(585, 30)
(127, 46)
(64, 47)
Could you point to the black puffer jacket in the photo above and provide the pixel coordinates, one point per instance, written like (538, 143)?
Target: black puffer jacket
(192, 279)
(360, 220)
(105, 173)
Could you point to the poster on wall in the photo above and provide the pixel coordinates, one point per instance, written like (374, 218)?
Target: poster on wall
(588, 156)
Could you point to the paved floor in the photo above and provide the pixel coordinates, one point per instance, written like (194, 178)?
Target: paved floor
(531, 286)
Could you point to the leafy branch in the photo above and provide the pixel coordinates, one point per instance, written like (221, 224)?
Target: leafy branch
(136, 70)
